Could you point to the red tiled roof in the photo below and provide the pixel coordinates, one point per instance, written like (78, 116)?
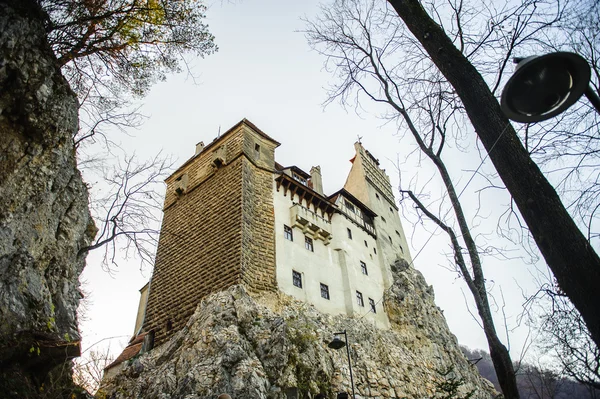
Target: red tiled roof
(134, 347)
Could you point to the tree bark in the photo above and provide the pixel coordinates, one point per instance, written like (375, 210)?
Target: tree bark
(567, 252)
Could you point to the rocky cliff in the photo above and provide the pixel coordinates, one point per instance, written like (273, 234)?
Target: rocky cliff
(44, 218)
(272, 346)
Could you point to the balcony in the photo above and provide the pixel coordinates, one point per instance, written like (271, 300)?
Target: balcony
(310, 223)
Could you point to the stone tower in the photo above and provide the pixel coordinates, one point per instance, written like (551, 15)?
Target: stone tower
(218, 227)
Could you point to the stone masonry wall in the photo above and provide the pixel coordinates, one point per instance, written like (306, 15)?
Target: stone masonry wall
(217, 232)
(258, 256)
(199, 250)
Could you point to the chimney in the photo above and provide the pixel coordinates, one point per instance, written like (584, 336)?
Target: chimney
(316, 179)
(199, 147)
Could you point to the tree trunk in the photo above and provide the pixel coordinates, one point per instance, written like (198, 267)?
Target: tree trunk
(567, 252)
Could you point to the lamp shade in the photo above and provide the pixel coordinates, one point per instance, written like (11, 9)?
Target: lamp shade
(337, 343)
(544, 86)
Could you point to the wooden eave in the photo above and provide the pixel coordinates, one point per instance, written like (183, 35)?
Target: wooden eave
(290, 184)
(343, 192)
(298, 171)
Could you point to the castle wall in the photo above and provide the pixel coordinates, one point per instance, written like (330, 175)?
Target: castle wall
(337, 264)
(199, 250)
(217, 230)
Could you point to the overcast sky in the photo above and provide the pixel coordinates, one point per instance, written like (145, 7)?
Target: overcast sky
(266, 72)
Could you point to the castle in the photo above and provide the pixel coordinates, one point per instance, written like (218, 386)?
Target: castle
(233, 215)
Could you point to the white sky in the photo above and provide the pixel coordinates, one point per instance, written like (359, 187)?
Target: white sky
(265, 71)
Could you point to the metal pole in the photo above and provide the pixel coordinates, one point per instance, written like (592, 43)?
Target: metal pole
(349, 364)
(592, 96)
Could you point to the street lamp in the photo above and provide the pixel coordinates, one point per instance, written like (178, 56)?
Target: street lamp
(544, 86)
(337, 343)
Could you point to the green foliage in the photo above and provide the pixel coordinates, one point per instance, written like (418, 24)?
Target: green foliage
(34, 350)
(125, 43)
(448, 387)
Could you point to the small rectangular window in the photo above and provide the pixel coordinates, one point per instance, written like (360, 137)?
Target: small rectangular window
(288, 233)
(391, 210)
(308, 244)
(297, 279)
(257, 151)
(376, 195)
(366, 244)
(375, 250)
(363, 268)
(359, 299)
(324, 291)
(349, 233)
(397, 232)
(383, 219)
(372, 305)
(349, 206)
(390, 238)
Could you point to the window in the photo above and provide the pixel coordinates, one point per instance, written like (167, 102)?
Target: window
(308, 244)
(372, 305)
(397, 232)
(390, 238)
(375, 250)
(297, 279)
(324, 291)
(401, 249)
(376, 195)
(359, 299)
(391, 210)
(349, 233)
(366, 244)
(299, 178)
(383, 219)
(363, 268)
(257, 151)
(288, 233)
(349, 206)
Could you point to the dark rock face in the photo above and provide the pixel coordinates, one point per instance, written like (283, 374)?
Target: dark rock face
(44, 217)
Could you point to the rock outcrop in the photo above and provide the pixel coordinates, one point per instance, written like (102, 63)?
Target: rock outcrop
(44, 217)
(275, 347)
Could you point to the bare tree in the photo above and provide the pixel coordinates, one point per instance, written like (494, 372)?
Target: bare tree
(565, 337)
(129, 208)
(566, 250)
(89, 369)
(362, 44)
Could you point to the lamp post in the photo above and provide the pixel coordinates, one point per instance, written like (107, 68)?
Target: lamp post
(337, 343)
(544, 86)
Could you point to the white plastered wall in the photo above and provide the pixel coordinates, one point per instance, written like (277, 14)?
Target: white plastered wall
(337, 265)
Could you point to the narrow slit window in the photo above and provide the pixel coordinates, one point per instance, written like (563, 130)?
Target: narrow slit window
(349, 233)
(257, 151)
(359, 299)
(363, 268)
(372, 305)
(297, 279)
(324, 291)
(288, 233)
(308, 244)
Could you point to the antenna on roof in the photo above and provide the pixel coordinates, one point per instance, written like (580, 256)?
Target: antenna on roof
(359, 139)
(219, 134)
